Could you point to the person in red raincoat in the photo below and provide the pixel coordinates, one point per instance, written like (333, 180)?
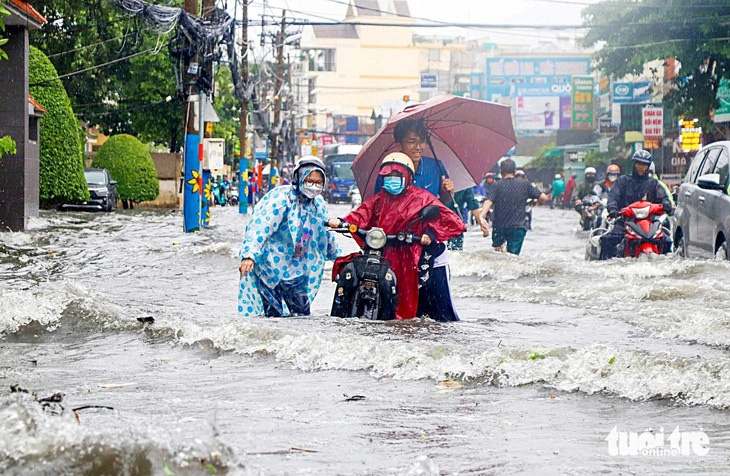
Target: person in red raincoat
(569, 187)
(396, 209)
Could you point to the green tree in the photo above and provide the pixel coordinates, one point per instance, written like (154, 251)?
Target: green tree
(3, 13)
(127, 95)
(547, 159)
(61, 149)
(228, 109)
(633, 33)
(130, 164)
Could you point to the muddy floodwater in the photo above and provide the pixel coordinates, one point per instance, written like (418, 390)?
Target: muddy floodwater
(552, 354)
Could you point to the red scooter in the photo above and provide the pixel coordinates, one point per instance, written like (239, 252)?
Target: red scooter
(644, 230)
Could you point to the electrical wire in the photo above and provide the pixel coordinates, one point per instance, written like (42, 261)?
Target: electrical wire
(60, 53)
(40, 83)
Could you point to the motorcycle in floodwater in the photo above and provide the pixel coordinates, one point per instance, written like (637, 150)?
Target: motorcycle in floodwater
(592, 212)
(233, 197)
(355, 197)
(645, 228)
(218, 194)
(366, 287)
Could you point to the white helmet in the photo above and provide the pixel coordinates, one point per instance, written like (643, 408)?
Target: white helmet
(557, 176)
(398, 158)
(590, 170)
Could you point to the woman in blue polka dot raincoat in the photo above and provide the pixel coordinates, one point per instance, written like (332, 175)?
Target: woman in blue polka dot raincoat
(285, 246)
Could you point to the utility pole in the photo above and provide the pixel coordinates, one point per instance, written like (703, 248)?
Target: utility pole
(192, 174)
(243, 139)
(276, 132)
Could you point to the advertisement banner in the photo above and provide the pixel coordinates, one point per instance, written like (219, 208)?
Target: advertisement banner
(631, 117)
(504, 75)
(690, 136)
(543, 107)
(652, 122)
(542, 113)
(582, 95)
(631, 93)
(722, 113)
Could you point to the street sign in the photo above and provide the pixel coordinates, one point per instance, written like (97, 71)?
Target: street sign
(429, 81)
(652, 122)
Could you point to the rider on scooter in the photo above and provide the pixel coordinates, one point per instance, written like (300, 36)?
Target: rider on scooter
(627, 190)
(396, 209)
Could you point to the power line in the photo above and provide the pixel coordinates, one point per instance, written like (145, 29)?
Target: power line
(92, 44)
(629, 5)
(40, 83)
(421, 18)
(508, 26)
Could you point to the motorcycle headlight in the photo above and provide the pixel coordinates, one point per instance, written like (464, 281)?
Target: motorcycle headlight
(642, 213)
(376, 239)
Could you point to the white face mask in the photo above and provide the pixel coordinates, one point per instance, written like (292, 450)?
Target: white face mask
(612, 178)
(311, 191)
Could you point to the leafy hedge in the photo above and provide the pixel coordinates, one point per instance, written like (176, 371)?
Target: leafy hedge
(7, 146)
(61, 148)
(131, 166)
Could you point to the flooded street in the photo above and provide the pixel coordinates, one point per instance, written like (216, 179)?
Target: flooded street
(552, 353)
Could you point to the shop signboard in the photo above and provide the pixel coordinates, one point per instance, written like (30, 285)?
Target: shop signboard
(582, 94)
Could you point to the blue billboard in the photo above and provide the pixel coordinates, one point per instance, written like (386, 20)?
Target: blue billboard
(505, 74)
(631, 93)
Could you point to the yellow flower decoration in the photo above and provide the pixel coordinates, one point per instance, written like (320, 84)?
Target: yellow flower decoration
(206, 190)
(195, 181)
(207, 217)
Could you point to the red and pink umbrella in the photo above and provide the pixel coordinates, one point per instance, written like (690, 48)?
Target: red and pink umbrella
(469, 136)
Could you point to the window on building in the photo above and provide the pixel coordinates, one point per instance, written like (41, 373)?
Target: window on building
(33, 128)
(434, 55)
(321, 59)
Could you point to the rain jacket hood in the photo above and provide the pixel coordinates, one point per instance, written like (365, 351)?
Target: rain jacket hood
(286, 238)
(400, 213)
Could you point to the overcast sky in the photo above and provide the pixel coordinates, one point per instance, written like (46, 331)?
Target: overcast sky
(537, 12)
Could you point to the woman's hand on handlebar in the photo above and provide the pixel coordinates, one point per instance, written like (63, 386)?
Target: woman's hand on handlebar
(425, 240)
(334, 223)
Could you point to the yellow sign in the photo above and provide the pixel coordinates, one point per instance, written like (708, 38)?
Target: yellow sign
(691, 136)
(208, 127)
(651, 144)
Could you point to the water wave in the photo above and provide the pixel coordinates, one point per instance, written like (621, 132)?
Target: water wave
(598, 368)
(31, 439)
(46, 306)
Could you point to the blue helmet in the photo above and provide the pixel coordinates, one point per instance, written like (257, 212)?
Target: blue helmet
(642, 156)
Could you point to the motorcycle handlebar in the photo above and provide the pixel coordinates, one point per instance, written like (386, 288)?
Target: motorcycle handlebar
(352, 229)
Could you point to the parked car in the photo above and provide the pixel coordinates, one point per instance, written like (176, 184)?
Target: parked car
(102, 188)
(703, 205)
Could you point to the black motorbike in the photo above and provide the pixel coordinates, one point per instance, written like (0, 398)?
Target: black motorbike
(366, 286)
(591, 212)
